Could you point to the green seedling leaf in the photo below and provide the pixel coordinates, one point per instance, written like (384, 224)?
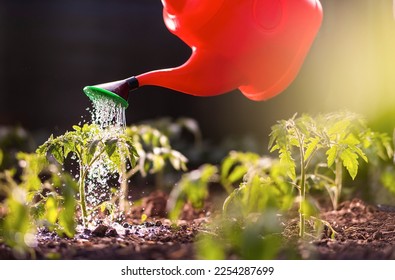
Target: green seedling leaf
(350, 161)
(67, 214)
(351, 140)
(339, 127)
(158, 163)
(311, 147)
(287, 160)
(111, 146)
(51, 209)
(57, 152)
(237, 173)
(91, 150)
(331, 155)
(192, 187)
(226, 166)
(359, 152)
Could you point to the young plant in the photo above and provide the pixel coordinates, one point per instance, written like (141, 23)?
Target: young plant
(296, 133)
(193, 187)
(345, 138)
(37, 198)
(89, 144)
(342, 137)
(154, 152)
(235, 166)
(264, 185)
(254, 238)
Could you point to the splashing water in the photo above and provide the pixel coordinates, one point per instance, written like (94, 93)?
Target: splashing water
(102, 177)
(106, 113)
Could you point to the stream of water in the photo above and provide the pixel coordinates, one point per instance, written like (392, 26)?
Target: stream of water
(103, 179)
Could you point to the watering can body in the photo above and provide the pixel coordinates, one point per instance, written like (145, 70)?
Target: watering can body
(256, 46)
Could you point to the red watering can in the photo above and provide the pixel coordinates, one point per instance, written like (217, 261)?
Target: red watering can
(257, 46)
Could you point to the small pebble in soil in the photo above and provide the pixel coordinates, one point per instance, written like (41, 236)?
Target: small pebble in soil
(112, 232)
(149, 224)
(158, 223)
(126, 225)
(100, 231)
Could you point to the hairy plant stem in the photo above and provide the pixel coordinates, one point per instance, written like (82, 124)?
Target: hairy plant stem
(82, 196)
(302, 187)
(302, 194)
(338, 182)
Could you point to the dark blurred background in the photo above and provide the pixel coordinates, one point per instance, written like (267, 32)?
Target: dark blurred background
(51, 49)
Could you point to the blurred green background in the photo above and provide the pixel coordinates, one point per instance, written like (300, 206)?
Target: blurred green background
(49, 50)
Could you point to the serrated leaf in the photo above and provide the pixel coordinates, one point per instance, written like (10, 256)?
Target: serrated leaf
(279, 135)
(274, 148)
(350, 162)
(132, 155)
(92, 146)
(111, 146)
(57, 152)
(68, 147)
(311, 147)
(359, 152)
(351, 140)
(339, 127)
(331, 155)
(294, 142)
(288, 161)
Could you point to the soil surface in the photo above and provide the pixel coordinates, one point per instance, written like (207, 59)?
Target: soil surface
(362, 232)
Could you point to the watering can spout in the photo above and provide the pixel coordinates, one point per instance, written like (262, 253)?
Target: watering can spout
(256, 46)
(117, 91)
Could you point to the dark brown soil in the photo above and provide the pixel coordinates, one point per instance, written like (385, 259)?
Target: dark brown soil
(362, 232)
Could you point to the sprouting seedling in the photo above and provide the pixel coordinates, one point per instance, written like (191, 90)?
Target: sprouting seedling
(263, 184)
(235, 166)
(296, 133)
(154, 151)
(90, 144)
(344, 139)
(193, 187)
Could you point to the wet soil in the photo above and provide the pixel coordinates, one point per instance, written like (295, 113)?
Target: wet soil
(362, 232)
